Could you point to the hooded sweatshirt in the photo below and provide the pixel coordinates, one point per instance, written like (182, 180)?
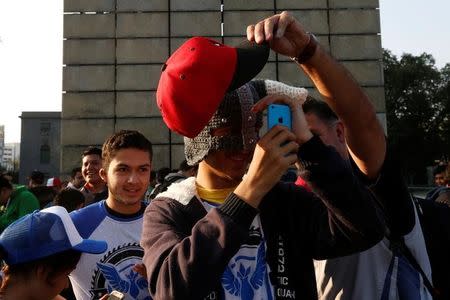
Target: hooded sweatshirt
(21, 202)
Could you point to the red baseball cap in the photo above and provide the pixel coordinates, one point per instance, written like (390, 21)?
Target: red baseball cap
(196, 77)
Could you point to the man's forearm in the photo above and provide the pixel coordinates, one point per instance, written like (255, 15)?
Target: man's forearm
(351, 223)
(364, 133)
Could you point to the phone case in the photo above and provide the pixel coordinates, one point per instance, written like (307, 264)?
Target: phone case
(278, 114)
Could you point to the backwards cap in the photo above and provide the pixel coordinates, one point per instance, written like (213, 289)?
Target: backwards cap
(196, 77)
(44, 233)
(54, 182)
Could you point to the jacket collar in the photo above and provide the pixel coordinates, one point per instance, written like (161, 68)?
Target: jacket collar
(183, 191)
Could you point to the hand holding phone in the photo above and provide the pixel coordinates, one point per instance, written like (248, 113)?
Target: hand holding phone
(291, 115)
(279, 114)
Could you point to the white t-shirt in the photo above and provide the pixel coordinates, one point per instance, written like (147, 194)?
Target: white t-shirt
(375, 274)
(98, 274)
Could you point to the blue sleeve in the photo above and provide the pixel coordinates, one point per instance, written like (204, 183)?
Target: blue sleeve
(88, 218)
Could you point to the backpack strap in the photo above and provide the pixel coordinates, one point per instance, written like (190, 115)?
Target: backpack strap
(398, 245)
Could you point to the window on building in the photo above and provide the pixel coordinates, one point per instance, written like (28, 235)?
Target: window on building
(45, 154)
(45, 128)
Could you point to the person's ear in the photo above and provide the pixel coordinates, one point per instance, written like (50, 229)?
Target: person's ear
(41, 273)
(340, 132)
(103, 175)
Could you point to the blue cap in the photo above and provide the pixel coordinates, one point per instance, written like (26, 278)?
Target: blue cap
(44, 233)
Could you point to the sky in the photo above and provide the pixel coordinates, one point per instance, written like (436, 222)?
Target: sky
(31, 37)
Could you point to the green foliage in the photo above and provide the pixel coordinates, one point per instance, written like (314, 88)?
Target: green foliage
(417, 108)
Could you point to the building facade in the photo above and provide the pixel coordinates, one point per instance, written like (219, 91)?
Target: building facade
(113, 52)
(11, 157)
(40, 147)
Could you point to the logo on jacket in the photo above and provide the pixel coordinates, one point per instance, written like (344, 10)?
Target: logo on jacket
(115, 272)
(246, 273)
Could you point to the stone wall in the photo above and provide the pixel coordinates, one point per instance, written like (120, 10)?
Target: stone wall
(113, 51)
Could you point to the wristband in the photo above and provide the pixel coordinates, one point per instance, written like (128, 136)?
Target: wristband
(308, 51)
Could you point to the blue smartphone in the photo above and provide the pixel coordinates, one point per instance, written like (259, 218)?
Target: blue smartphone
(278, 114)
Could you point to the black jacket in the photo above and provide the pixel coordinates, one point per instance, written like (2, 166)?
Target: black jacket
(187, 249)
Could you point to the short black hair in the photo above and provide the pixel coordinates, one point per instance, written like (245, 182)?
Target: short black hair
(320, 109)
(439, 169)
(162, 173)
(92, 150)
(37, 177)
(4, 183)
(69, 198)
(74, 172)
(124, 139)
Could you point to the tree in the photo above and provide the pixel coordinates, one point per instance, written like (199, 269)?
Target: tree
(417, 106)
(444, 94)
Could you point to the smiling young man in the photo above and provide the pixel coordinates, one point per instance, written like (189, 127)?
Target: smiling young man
(127, 157)
(95, 188)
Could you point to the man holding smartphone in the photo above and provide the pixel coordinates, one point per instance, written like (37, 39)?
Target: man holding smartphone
(391, 275)
(223, 235)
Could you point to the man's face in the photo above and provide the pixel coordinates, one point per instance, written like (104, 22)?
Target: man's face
(78, 180)
(49, 286)
(328, 133)
(90, 167)
(128, 177)
(439, 179)
(8, 177)
(228, 167)
(5, 193)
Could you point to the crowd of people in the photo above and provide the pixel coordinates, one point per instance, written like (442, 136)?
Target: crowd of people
(227, 224)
